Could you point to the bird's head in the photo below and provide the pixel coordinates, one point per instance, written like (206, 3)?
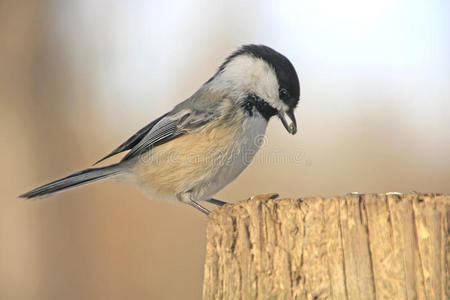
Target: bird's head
(260, 75)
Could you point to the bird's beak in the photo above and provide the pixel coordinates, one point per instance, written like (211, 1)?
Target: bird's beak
(288, 120)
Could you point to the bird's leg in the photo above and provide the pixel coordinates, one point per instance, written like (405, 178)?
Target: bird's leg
(216, 202)
(186, 197)
(199, 207)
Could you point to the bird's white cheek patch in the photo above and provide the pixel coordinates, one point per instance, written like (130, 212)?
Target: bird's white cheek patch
(250, 74)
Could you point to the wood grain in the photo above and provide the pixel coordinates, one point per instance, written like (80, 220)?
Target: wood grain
(372, 246)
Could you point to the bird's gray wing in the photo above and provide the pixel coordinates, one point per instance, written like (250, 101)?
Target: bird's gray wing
(171, 126)
(133, 140)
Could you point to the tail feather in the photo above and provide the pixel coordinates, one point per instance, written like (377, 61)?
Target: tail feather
(71, 181)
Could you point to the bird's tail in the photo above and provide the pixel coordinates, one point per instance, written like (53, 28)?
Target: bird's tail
(74, 180)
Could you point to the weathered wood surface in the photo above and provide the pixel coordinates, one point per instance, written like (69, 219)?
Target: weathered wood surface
(373, 246)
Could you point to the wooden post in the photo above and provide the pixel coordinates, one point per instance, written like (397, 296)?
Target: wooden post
(373, 246)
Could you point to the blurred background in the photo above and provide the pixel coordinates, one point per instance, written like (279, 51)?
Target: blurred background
(79, 77)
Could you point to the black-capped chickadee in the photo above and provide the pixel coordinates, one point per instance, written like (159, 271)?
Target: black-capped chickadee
(206, 141)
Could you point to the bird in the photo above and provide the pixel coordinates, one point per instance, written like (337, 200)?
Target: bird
(203, 143)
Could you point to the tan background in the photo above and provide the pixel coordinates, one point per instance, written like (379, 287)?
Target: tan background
(79, 77)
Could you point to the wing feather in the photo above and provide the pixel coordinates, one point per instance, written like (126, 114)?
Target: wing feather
(169, 128)
(188, 116)
(133, 140)
(164, 131)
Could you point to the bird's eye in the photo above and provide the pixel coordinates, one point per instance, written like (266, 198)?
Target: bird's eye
(284, 93)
